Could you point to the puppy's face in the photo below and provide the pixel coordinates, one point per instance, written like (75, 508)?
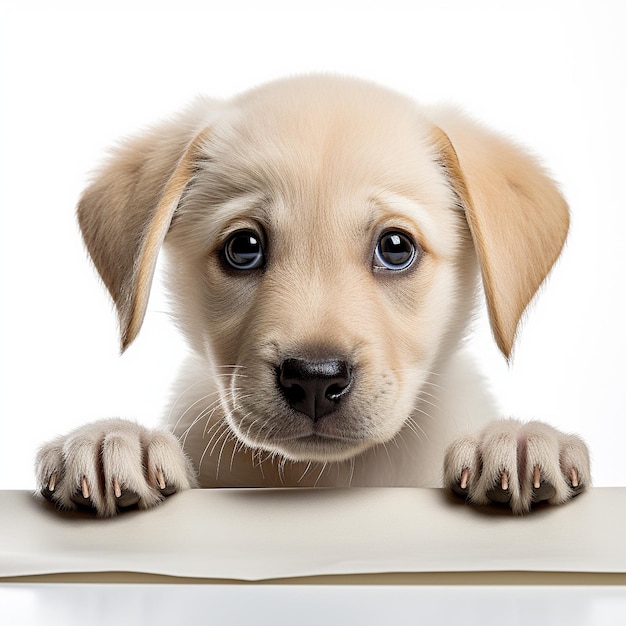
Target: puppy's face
(321, 262)
(324, 236)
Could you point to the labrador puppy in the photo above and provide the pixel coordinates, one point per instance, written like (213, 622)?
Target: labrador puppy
(326, 242)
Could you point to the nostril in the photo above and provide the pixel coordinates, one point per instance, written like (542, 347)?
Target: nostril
(314, 388)
(293, 392)
(334, 392)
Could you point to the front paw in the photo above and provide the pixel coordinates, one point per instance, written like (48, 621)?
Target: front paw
(111, 465)
(518, 464)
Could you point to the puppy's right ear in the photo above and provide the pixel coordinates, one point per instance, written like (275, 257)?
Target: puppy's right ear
(126, 212)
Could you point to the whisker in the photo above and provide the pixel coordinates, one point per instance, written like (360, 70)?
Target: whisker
(307, 468)
(209, 410)
(206, 448)
(232, 456)
(352, 465)
(320, 474)
(215, 427)
(181, 394)
(196, 402)
(209, 416)
(281, 470)
(221, 452)
(426, 393)
(417, 430)
(387, 453)
(423, 406)
(257, 460)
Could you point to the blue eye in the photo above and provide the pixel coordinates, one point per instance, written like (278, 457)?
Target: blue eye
(395, 251)
(244, 251)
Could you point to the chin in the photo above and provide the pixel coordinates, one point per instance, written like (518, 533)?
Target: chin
(318, 448)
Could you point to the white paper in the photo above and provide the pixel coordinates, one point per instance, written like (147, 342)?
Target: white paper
(265, 534)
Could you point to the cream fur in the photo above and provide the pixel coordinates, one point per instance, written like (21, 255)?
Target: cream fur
(318, 168)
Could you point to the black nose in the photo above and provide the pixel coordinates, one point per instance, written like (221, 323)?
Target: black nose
(314, 388)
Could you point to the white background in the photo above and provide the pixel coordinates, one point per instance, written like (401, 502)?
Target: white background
(74, 80)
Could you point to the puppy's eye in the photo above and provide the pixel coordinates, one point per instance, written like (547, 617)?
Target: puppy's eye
(244, 251)
(395, 251)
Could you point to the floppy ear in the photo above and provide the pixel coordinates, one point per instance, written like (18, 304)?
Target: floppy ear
(516, 215)
(126, 212)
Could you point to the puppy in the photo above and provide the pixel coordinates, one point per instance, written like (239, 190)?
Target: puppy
(326, 240)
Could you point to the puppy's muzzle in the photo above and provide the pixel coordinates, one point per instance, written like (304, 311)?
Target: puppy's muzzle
(315, 388)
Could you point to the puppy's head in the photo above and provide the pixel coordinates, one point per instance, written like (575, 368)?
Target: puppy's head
(324, 237)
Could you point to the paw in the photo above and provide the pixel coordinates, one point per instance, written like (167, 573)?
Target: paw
(111, 465)
(517, 464)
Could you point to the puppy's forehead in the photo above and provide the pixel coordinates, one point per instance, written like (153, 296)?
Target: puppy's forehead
(323, 151)
(330, 132)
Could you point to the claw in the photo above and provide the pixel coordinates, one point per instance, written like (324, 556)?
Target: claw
(52, 483)
(464, 478)
(573, 474)
(84, 486)
(536, 478)
(505, 481)
(160, 479)
(117, 488)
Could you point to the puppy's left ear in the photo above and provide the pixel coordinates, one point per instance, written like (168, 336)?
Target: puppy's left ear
(516, 215)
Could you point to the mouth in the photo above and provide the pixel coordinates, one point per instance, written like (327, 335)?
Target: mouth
(317, 447)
